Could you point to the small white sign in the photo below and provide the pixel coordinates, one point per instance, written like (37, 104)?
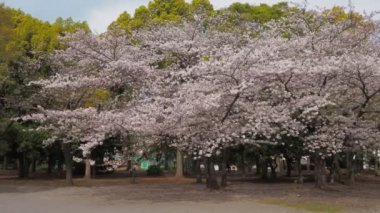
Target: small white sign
(216, 167)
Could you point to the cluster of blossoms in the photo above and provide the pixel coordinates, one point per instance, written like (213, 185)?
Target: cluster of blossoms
(210, 89)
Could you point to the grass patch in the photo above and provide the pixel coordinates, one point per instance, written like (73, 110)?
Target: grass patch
(305, 206)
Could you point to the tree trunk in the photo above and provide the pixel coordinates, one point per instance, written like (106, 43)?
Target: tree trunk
(50, 164)
(335, 170)
(350, 168)
(377, 172)
(264, 168)
(87, 171)
(288, 167)
(23, 167)
(166, 163)
(299, 169)
(179, 165)
(5, 162)
(198, 171)
(243, 166)
(258, 165)
(223, 169)
(16, 165)
(34, 165)
(320, 171)
(68, 163)
(273, 166)
(60, 162)
(214, 179)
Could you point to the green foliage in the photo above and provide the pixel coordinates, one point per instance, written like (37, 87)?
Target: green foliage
(97, 97)
(24, 42)
(123, 21)
(141, 18)
(262, 13)
(23, 138)
(168, 10)
(203, 6)
(157, 12)
(153, 170)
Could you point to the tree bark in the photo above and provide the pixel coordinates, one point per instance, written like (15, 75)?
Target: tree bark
(350, 168)
(5, 162)
(50, 164)
(34, 165)
(68, 163)
(61, 159)
(223, 169)
(23, 167)
(179, 164)
(264, 168)
(258, 165)
(198, 171)
(335, 170)
(243, 166)
(273, 166)
(166, 163)
(299, 169)
(87, 171)
(320, 171)
(214, 179)
(377, 172)
(288, 167)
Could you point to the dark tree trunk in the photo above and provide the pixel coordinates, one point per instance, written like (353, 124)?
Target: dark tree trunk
(158, 159)
(214, 178)
(264, 168)
(5, 162)
(23, 165)
(320, 171)
(61, 160)
(299, 169)
(377, 172)
(34, 165)
(68, 163)
(272, 164)
(166, 163)
(258, 165)
(208, 171)
(198, 171)
(350, 168)
(50, 164)
(288, 166)
(223, 169)
(16, 164)
(335, 170)
(213, 182)
(243, 165)
(93, 171)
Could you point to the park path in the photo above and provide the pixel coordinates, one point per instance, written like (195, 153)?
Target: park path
(159, 198)
(87, 200)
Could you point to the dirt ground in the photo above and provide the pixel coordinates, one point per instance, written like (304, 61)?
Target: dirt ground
(170, 195)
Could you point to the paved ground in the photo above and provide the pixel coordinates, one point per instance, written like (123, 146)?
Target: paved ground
(83, 200)
(170, 196)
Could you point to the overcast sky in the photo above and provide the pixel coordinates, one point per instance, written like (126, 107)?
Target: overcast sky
(100, 13)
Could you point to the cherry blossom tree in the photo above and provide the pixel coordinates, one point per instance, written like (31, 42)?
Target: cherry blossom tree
(307, 77)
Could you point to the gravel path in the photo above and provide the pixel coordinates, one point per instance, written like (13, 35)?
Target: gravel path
(169, 196)
(88, 200)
